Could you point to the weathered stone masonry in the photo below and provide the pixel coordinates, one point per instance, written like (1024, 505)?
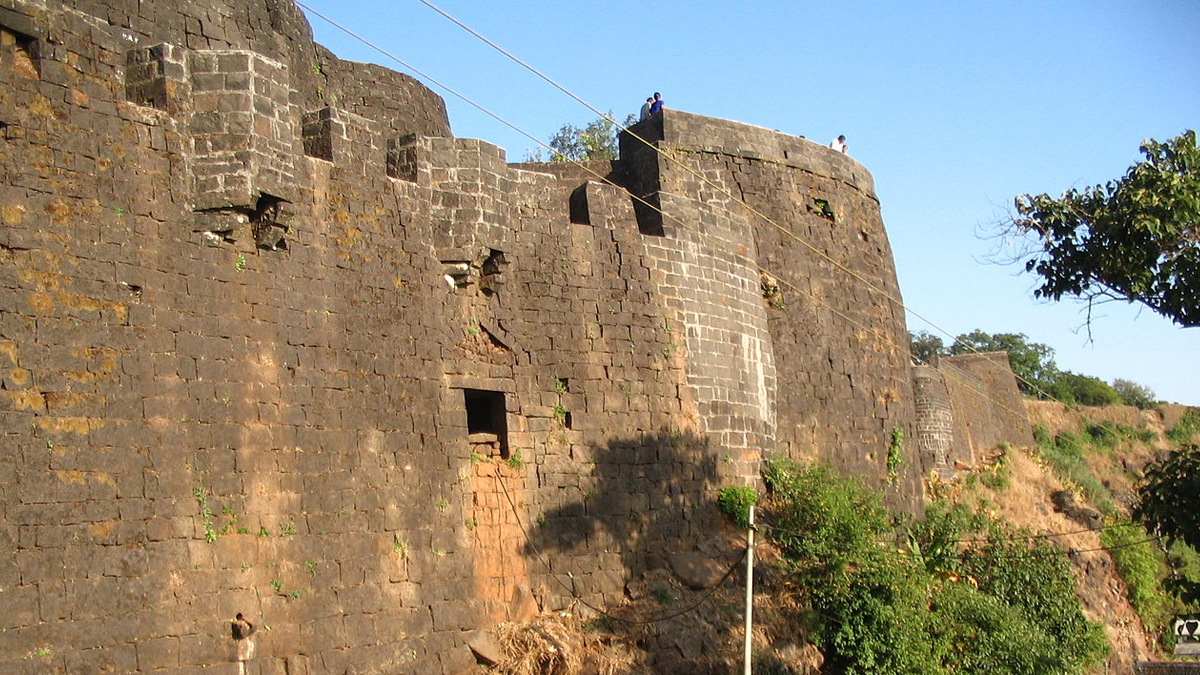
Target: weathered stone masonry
(968, 405)
(273, 341)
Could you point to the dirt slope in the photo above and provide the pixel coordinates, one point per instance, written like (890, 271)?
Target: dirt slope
(1027, 502)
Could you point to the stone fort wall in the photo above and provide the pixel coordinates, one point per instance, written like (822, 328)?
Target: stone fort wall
(273, 341)
(967, 406)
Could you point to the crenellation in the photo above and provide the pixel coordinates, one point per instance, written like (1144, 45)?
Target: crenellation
(254, 358)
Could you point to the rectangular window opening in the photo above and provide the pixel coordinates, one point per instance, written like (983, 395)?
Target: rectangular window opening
(19, 52)
(487, 417)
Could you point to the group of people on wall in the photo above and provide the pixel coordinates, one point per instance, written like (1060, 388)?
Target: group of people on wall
(655, 105)
(652, 106)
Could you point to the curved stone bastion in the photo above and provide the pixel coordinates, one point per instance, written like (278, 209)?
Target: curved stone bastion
(274, 343)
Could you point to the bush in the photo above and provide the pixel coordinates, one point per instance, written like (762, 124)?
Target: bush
(865, 600)
(736, 503)
(998, 606)
(1065, 454)
(1071, 387)
(1134, 394)
(999, 475)
(1186, 429)
(1143, 568)
(1166, 499)
(981, 634)
(1103, 435)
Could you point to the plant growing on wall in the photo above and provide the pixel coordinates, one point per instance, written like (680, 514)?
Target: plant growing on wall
(735, 502)
(895, 455)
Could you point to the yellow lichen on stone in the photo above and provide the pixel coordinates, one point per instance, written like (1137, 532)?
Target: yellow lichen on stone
(12, 214)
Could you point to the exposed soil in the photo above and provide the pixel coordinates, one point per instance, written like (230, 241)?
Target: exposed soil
(1027, 504)
(581, 642)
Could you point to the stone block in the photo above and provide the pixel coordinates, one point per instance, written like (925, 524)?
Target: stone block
(155, 76)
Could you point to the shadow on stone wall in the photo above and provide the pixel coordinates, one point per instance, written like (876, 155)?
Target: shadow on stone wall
(648, 514)
(638, 505)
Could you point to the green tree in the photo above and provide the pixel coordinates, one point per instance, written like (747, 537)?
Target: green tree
(1135, 394)
(1071, 387)
(597, 140)
(1167, 500)
(926, 347)
(1135, 239)
(1032, 362)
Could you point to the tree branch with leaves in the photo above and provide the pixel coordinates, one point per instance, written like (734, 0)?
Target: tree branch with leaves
(1136, 239)
(597, 140)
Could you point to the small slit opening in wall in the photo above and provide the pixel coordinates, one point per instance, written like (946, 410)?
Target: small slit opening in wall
(649, 216)
(268, 223)
(822, 208)
(491, 272)
(134, 290)
(578, 205)
(487, 417)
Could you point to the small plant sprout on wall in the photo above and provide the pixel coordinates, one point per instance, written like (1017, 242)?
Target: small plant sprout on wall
(895, 456)
(735, 502)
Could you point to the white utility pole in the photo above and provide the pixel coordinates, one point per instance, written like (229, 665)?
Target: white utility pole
(749, 590)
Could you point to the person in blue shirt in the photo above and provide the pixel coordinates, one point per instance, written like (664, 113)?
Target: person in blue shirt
(658, 104)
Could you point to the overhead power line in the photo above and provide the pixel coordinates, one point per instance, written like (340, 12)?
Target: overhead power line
(721, 189)
(659, 151)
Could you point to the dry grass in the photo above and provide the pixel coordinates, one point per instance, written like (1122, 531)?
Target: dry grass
(544, 646)
(560, 645)
(705, 642)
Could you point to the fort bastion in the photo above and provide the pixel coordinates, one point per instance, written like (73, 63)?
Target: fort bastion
(274, 342)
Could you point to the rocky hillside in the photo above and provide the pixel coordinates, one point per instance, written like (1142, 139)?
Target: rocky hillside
(1078, 479)
(1074, 487)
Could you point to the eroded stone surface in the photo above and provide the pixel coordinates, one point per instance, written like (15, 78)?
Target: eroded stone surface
(274, 342)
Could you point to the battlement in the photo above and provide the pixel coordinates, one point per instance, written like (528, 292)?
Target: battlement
(274, 342)
(689, 132)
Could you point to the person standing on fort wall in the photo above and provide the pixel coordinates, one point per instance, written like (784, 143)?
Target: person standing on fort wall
(646, 109)
(839, 144)
(657, 105)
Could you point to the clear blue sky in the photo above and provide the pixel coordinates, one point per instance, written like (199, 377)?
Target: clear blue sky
(954, 107)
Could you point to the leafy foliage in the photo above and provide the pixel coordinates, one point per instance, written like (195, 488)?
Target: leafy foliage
(1135, 394)
(1032, 362)
(1143, 568)
(597, 140)
(925, 347)
(736, 503)
(1186, 429)
(1071, 387)
(896, 463)
(950, 604)
(864, 599)
(1132, 239)
(1166, 504)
